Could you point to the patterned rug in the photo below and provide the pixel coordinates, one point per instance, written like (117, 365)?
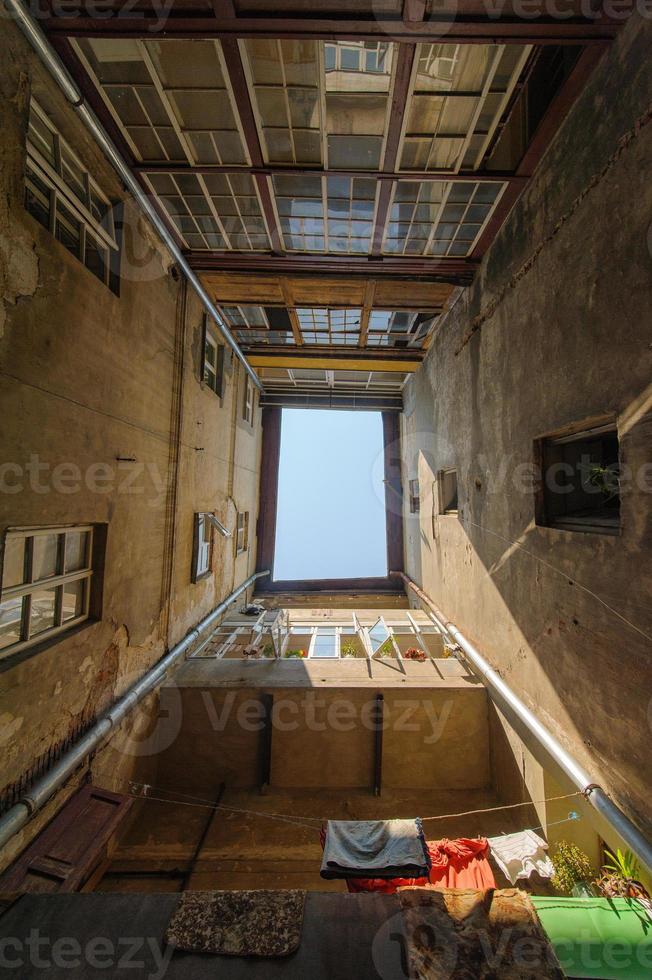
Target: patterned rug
(238, 923)
(475, 935)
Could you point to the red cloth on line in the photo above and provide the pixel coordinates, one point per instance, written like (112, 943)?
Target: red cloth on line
(460, 863)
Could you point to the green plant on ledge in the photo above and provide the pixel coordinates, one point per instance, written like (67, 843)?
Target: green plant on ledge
(387, 649)
(348, 649)
(572, 867)
(620, 877)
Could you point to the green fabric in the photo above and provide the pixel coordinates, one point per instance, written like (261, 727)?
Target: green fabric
(607, 938)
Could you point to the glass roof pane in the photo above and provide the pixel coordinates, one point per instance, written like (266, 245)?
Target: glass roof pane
(458, 90)
(285, 92)
(174, 92)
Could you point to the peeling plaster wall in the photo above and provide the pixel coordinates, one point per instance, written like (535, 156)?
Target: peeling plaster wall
(88, 377)
(555, 329)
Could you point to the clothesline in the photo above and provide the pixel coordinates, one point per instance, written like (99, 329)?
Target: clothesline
(507, 806)
(195, 801)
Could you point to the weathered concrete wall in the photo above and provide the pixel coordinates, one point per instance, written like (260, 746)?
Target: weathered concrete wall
(433, 737)
(87, 378)
(545, 338)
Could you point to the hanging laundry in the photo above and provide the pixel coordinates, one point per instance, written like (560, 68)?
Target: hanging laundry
(381, 848)
(461, 863)
(520, 855)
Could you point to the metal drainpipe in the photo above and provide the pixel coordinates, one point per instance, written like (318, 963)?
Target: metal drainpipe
(43, 789)
(57, 69)
(510, 704)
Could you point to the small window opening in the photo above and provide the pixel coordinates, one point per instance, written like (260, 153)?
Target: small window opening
(580, 480)
(414, 496)
(448, 491)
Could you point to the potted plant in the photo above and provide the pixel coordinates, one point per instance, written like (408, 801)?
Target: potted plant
(298, 654)
(268, 651)
(348, 649)
(415, 653)
(620, 876)
(573, 872)
(387, 649)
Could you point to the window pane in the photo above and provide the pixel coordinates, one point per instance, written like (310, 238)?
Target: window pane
(43, 610)
(73, 599)
(76, 550)
(68, 229)
(11, 613)
(13, 572)
(46, 555)
(378, 634)
(37, 198)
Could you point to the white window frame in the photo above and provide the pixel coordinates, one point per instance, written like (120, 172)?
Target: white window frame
(212, 376)
(57, 582)
(102, 233)
(242, 532)
(202, 552)
(248, 401)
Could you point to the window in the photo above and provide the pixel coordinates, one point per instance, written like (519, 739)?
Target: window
(249, 396)
(448, 492)
(580, 486)
(325, 642)
(202, 556)
(46, 584)
(242, 533)
(212, 360)
(414, 496)
(63, 198)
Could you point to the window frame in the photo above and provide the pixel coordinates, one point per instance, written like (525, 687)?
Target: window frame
(199, 546)
(57, 582)
(242, 532)
(61, 197)
(248, 400)
(589, 523)
(210, 339)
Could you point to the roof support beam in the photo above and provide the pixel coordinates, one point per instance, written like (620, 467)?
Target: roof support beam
(238, 79)
(402, 81)
(367, 304)
(496, 176)
(457, 271)
(458, 30)
(292, 313)
(331, 361)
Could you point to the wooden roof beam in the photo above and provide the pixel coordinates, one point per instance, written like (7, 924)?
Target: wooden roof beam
(453, 30)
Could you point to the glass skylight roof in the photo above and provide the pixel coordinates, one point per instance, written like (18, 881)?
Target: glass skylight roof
(213, 211)
(439, 217)
(170, 98)
(458, 95)
(323, 326)
(318, 214)
(316, 104)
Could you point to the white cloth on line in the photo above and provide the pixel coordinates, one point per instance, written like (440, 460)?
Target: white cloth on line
(520, 855)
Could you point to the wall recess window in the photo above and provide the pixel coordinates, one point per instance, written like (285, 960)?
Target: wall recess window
(46, 584)
(414, 496)
(212, 370)
(242, 532)
(448, 492)
(202, 557)
(580, 486)
(63, 198)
